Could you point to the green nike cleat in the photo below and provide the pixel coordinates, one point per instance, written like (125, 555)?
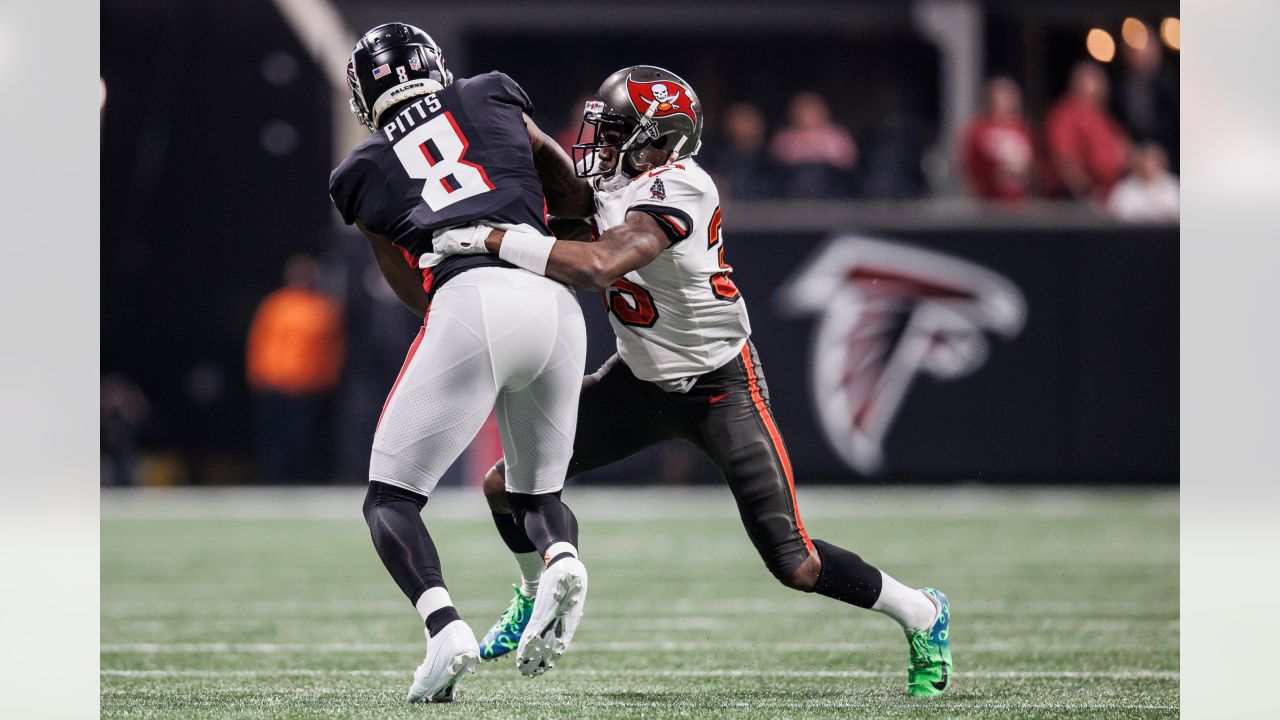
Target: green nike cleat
(505, 634)
(930, 670)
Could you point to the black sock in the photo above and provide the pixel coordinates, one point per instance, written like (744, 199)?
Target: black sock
(395, 523)
(845, 577)
(512, 534)
(437, 620)
(560, 557)
(545, 518)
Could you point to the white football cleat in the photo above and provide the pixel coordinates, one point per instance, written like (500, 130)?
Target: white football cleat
(562, 592)
(450, 655)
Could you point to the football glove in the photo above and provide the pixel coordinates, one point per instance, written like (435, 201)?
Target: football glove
(465, 240)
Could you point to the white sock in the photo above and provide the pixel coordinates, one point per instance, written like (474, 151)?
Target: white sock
(910, 607)
(531, 567)
(557, 549)
(432, 600)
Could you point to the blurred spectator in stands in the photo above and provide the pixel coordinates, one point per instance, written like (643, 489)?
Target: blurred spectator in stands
(1146, 93)
(293, 361)
(124, 409)
(1087, 148)
(996, 150)
(739, 158)
(1150, 192)
(814, 155)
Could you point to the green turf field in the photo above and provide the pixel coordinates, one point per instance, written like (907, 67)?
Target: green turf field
(272, 604)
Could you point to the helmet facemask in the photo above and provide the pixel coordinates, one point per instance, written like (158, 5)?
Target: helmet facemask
(636, 147)
(358, 108)
(642, 117)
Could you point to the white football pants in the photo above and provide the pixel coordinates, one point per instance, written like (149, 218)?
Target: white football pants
(494, 339)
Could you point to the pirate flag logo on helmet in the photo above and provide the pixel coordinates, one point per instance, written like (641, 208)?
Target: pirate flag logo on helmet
(666, 97)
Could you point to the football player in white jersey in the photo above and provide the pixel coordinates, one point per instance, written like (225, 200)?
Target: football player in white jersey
(685, 367)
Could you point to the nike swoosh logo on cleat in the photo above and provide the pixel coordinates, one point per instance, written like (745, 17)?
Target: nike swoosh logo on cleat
(940, 686)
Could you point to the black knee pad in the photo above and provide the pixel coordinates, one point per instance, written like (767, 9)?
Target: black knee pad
(380, 494)
(779, 545)
(784, 566)
(521, 503)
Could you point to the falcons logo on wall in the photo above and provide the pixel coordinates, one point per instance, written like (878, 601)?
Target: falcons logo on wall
(888, 312)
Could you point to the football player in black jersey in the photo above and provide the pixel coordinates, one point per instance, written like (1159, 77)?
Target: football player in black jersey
(443, 154)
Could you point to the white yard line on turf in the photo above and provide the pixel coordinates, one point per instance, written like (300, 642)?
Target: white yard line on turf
(620, 646)
(254, 648)
(853, 674)
(993, 608)
(651, 503)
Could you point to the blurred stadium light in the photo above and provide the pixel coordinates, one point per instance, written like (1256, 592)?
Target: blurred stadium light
(1171, 33)
(1134, 32)
(1101, 46)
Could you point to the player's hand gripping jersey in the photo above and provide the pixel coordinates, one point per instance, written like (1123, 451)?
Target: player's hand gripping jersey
(446, 159)
(679, 316)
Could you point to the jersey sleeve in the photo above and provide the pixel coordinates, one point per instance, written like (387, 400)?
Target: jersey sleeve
(344, 189)
(362, 193)
(509, 91)
(673, 198)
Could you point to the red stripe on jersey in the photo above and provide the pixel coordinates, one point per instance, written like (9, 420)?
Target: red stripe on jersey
(664, 168)
(675, 223)
(428, 279)
(466, 144)
(426, 153)
(408, 256)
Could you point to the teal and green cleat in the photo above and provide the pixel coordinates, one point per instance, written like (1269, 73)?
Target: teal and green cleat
(505, 634)
(930, 669)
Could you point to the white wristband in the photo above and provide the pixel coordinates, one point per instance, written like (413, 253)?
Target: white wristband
(528, 250)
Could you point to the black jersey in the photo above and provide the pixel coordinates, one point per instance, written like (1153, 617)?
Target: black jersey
(445, 159)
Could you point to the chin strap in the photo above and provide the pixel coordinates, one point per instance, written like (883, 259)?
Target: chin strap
(675, 151)
(609, 184)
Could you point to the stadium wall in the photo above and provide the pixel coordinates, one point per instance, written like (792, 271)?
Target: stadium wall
(998, 355)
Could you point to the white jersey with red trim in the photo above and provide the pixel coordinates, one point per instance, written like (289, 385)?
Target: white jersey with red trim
(680, 316)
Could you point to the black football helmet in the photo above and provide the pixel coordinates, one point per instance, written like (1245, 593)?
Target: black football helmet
(649, 115)
(390, 64)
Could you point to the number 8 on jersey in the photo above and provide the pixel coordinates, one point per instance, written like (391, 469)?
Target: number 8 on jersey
(434, 152)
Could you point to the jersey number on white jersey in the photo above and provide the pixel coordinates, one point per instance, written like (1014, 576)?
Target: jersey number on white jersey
(434, 152)
(631, 304)
(634, 306)
(721, 286)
